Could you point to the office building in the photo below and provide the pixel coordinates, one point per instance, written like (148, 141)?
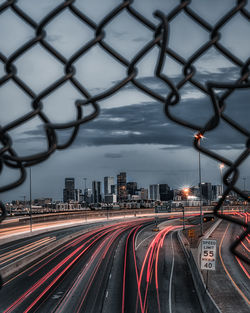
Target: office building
(206, 192)
(144, 194)
(96, 192)
(165, 193)
(108, 182)
(154, 192)
(69, 190)
(195, 191)
(122, 187)
(87, 195)
(78, 195)
(216, 192)
(111, 198)
(131, 188)
(113, 189)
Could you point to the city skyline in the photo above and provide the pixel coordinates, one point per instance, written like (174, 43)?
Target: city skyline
(77, 186)
(143, 178)
(131, 133)
(125, 143)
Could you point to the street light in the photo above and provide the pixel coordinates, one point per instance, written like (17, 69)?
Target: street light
(186, 193)
(30, 204)
(222, 184)
(199, 136)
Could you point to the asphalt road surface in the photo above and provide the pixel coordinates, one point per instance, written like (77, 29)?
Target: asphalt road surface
(118, 268)
(229, 285)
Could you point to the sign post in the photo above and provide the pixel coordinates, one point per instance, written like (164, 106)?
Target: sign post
(208, 255)
(191, 234)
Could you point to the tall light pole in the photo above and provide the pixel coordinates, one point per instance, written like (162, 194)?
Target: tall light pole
(186, 193)
(221, 175)
(222, 184)
(30, 204)
(199, 136)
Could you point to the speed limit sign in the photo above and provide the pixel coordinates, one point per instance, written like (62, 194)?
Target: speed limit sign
(208, 254)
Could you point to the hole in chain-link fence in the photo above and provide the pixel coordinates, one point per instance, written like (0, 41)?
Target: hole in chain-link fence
(72, 67)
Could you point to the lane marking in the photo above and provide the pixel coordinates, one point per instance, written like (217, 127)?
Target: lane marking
(227, 272)
(143, 228)
(143, 241)
(171, 278)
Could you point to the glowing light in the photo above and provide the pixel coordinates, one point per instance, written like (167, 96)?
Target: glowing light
(199, 136)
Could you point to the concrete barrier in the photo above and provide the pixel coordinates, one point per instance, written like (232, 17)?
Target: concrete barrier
(206, 301)
(10, 270)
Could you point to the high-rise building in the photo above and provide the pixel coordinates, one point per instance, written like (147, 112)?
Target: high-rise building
(113, 189)
(70, 183)
(108, 182)
(195, 191)
(110, 198)
(144, 194)
(131, 188)
(216, 192)
(87, 195)
(69, 190)
(154, 192)
(122, 187)
(78, 195)
(165, 193)
(206, 191)
(96, 192)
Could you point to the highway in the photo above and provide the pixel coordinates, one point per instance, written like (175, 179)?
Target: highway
(230, 283)
(112, 268)
(11, 250)
(120, 267)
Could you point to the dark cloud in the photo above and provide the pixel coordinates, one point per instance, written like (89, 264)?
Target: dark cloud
(113, 155)
(146, 122)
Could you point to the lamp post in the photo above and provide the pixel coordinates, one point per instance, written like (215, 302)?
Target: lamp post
(199, 136)
(222, 184)
(186, 193)
(30, 204)
(221, 175)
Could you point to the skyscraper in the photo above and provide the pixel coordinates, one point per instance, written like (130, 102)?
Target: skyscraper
(78, 195)
(108, 182)
(144, 193)
(217, 191)
(69, 190)
(131, 188)
(154, 192)
(87, 195)
(165, 194)
(206, 191)
(121, 187)
(96, 191)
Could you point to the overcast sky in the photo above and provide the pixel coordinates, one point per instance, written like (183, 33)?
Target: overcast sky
(131, 133)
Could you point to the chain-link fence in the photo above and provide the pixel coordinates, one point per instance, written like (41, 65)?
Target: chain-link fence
(160, 37)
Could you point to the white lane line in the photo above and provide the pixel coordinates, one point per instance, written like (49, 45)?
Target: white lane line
(171, 278)
(137, 237)
(107, 293)
(143, 241)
